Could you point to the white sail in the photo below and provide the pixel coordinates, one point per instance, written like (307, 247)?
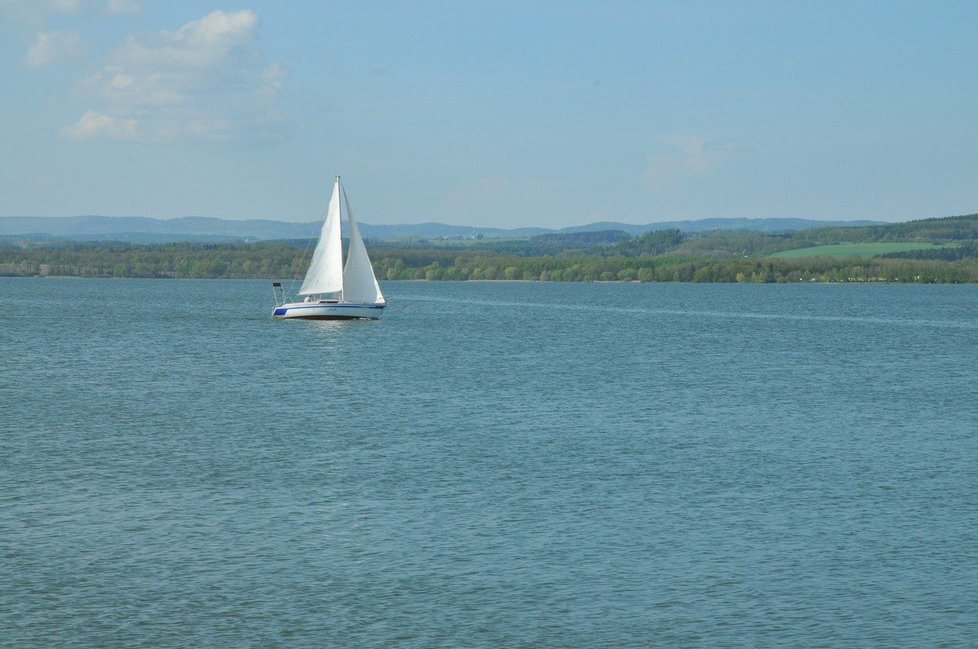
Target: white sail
(359, 283)
(325, 274)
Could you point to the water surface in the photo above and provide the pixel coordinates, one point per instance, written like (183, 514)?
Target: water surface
(492, 464)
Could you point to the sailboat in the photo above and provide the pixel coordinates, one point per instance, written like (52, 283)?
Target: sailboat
(330, 290)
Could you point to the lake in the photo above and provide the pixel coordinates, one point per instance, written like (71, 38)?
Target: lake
(492, 464)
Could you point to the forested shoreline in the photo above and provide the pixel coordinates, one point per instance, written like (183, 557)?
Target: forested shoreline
(279, 261)
(943, 250)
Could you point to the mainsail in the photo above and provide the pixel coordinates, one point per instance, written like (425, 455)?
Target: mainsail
(325, 274)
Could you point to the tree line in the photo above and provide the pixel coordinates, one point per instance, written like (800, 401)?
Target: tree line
(269, 260)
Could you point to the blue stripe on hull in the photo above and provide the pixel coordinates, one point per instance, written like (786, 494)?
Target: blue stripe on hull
(284, 311)
(332, 317)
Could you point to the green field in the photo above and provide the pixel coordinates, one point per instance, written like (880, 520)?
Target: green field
(842, 250)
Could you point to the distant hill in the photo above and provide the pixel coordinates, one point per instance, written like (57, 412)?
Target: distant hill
(946, 228)
(766, 226)
(139, 229)
(200, 229)
(442, 230)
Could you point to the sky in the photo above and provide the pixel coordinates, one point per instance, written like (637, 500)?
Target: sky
(493, 114)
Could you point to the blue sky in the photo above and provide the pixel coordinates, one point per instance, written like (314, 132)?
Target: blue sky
(499, 114)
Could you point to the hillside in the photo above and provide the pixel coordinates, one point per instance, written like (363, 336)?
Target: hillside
(137, 229)
(929, 250)
(767, 226)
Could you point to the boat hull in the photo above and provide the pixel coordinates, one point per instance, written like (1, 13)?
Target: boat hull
(329, 311)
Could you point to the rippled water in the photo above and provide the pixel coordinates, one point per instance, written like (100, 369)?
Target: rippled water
(540, 465)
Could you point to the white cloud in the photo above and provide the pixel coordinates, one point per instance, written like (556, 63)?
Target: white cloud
(36, 12)
(127, 7)
(66, 6)
(272, 78)
(93, 125)
(207, 42)
(53, 47)
(691, 156)
(208, 79)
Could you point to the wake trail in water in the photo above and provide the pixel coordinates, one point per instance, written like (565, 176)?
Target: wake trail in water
(898, 322)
